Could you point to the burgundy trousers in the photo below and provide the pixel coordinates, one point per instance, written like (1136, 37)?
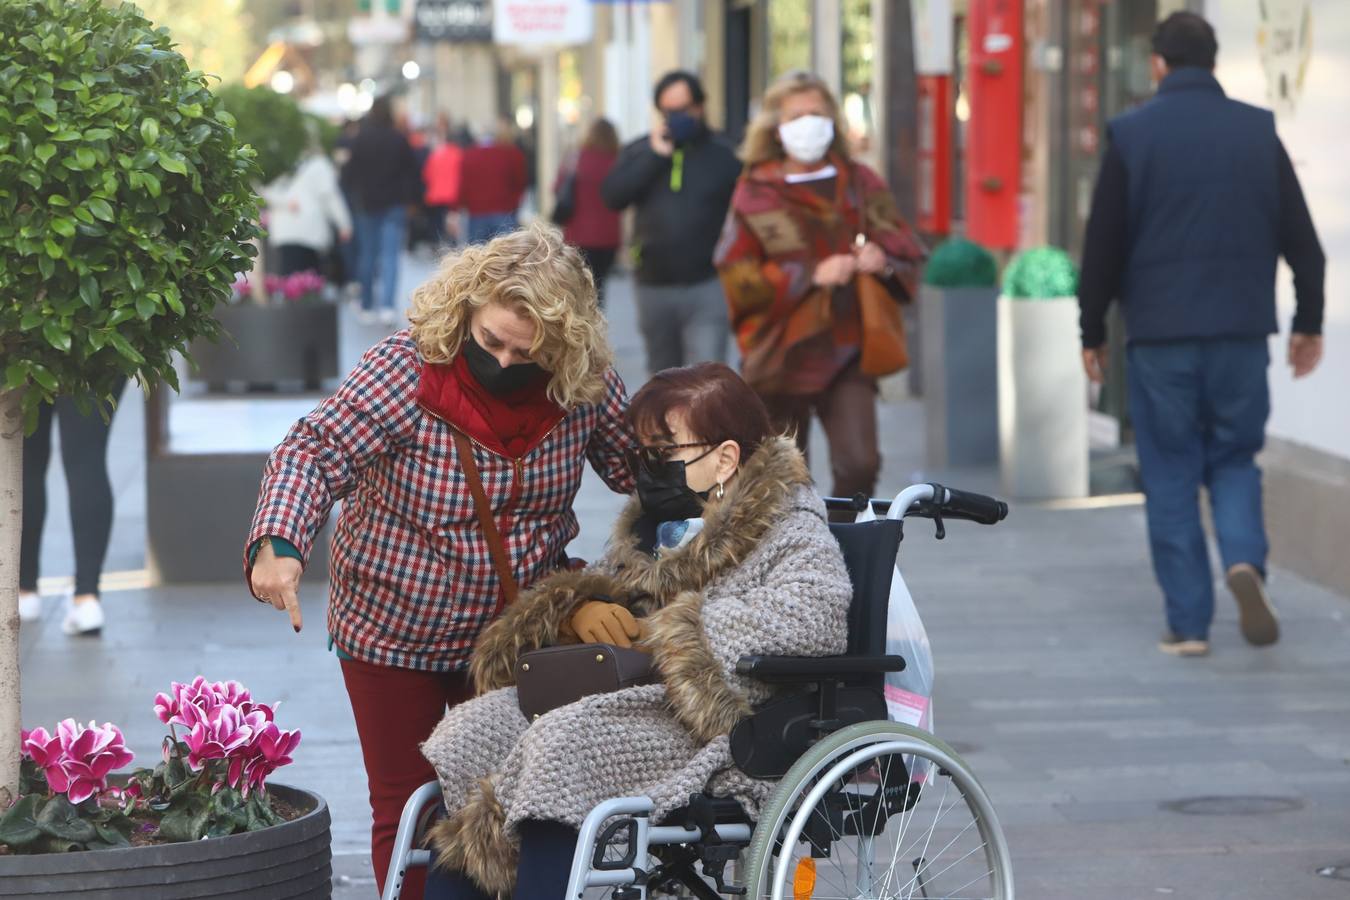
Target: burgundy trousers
(396, 710)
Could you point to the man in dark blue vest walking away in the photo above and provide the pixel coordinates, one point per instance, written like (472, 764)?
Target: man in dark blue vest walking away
(1195, 203)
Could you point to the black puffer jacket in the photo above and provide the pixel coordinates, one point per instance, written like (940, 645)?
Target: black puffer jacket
(382, 171)
(681, 204)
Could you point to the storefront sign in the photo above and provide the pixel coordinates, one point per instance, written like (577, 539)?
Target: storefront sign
(453, 21)
(932, 36)
(365, 31)
(542, 23)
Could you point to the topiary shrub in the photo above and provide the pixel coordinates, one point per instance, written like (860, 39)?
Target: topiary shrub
(126, 210)
(957, 262)
(1042, 273)
(271, 123)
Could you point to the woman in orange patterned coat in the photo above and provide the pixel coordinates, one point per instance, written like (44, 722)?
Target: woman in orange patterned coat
(812, 239)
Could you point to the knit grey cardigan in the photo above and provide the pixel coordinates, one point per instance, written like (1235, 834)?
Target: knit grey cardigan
(764, 576)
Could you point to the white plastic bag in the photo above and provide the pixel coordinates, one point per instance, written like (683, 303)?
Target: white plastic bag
(909, 693)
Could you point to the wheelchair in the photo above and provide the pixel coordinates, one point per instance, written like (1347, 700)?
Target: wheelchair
(863, 807)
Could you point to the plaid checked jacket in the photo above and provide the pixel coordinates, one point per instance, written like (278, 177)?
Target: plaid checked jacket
(412, 581)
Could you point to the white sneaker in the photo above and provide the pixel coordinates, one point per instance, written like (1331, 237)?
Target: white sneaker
(83, 619)
(365, 317)
(388, 317)
(30, 606)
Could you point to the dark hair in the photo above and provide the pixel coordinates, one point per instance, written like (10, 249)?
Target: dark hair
(381, 113)
(1185, 39)
(717, 403)
(602, 136)
(673, 78)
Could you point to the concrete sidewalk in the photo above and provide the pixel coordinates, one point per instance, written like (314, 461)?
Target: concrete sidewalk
(1098, 751)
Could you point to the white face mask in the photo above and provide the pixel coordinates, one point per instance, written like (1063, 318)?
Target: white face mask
(807, 138)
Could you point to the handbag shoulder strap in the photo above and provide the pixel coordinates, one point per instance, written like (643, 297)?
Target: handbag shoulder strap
(496, 548)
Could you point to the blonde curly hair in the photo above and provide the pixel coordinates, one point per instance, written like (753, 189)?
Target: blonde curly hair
(533, 272)
(761, 138)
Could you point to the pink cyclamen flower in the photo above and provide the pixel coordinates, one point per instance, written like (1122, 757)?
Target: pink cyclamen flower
(302, 284)
(88, 756)
(219, 735)
(271, 749)
(266, 710)
(44, 749)
(169, 707)
(231, 692)
(207, 697)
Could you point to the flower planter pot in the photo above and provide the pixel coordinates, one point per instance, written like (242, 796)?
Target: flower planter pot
(270, 344)
(959, 335)
(1042, 399)
(292, 860)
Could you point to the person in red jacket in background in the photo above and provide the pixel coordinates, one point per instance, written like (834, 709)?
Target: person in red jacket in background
(492, 183)
(441, 175)
(593, 227)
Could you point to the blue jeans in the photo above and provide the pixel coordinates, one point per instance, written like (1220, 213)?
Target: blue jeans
(486, 227)
(1199, 410)
(379, 241)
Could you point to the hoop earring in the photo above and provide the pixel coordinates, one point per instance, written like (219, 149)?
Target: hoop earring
(721, 491)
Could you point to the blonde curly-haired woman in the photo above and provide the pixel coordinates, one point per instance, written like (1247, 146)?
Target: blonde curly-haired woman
(506, 378)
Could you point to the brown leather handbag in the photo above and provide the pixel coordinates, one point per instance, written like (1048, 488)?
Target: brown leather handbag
(552, 676)
(885, 349)
(556, 676)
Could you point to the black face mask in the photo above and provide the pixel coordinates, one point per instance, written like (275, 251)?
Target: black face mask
(663, 489)
(683, 128)
(495, 378)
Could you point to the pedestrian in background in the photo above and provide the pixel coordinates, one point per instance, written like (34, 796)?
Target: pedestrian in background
(679, 178)
(383, 177)
(505, 379)
(806, 223)
(1195, 203)
(592, 227)
(347, 252)
(304, 209)
(492, 183)
(84, 456)
(441, 175)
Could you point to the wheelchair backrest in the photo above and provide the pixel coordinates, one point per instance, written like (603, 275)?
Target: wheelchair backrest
(869, 553)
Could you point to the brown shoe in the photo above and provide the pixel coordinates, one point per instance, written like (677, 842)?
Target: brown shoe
(1179, 646)
(1256, 617)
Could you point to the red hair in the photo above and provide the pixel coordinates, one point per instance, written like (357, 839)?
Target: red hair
(717, 403)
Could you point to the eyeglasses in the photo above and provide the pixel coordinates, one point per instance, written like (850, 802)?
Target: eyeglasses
(652, 456)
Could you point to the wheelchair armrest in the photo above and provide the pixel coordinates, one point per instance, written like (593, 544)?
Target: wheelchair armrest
(807, 669)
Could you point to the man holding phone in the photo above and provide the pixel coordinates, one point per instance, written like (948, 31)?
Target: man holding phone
(680, 178)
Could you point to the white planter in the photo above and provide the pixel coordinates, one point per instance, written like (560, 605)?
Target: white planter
(1042, 399)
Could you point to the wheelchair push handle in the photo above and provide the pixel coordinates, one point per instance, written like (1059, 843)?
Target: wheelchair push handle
(929, 501)
(975, 507)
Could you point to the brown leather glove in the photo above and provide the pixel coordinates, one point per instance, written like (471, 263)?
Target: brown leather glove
(600, 622)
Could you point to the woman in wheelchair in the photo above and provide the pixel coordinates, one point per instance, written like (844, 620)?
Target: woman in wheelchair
(724, 552)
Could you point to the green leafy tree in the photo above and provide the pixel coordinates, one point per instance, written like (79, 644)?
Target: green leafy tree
(126, 211)
(271, 123)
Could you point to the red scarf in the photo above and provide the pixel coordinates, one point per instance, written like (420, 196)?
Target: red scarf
(510, 425)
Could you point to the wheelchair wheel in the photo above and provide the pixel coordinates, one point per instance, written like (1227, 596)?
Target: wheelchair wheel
(879, 810)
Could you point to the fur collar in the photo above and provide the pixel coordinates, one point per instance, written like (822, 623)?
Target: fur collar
(773, 482)
(766, 489)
